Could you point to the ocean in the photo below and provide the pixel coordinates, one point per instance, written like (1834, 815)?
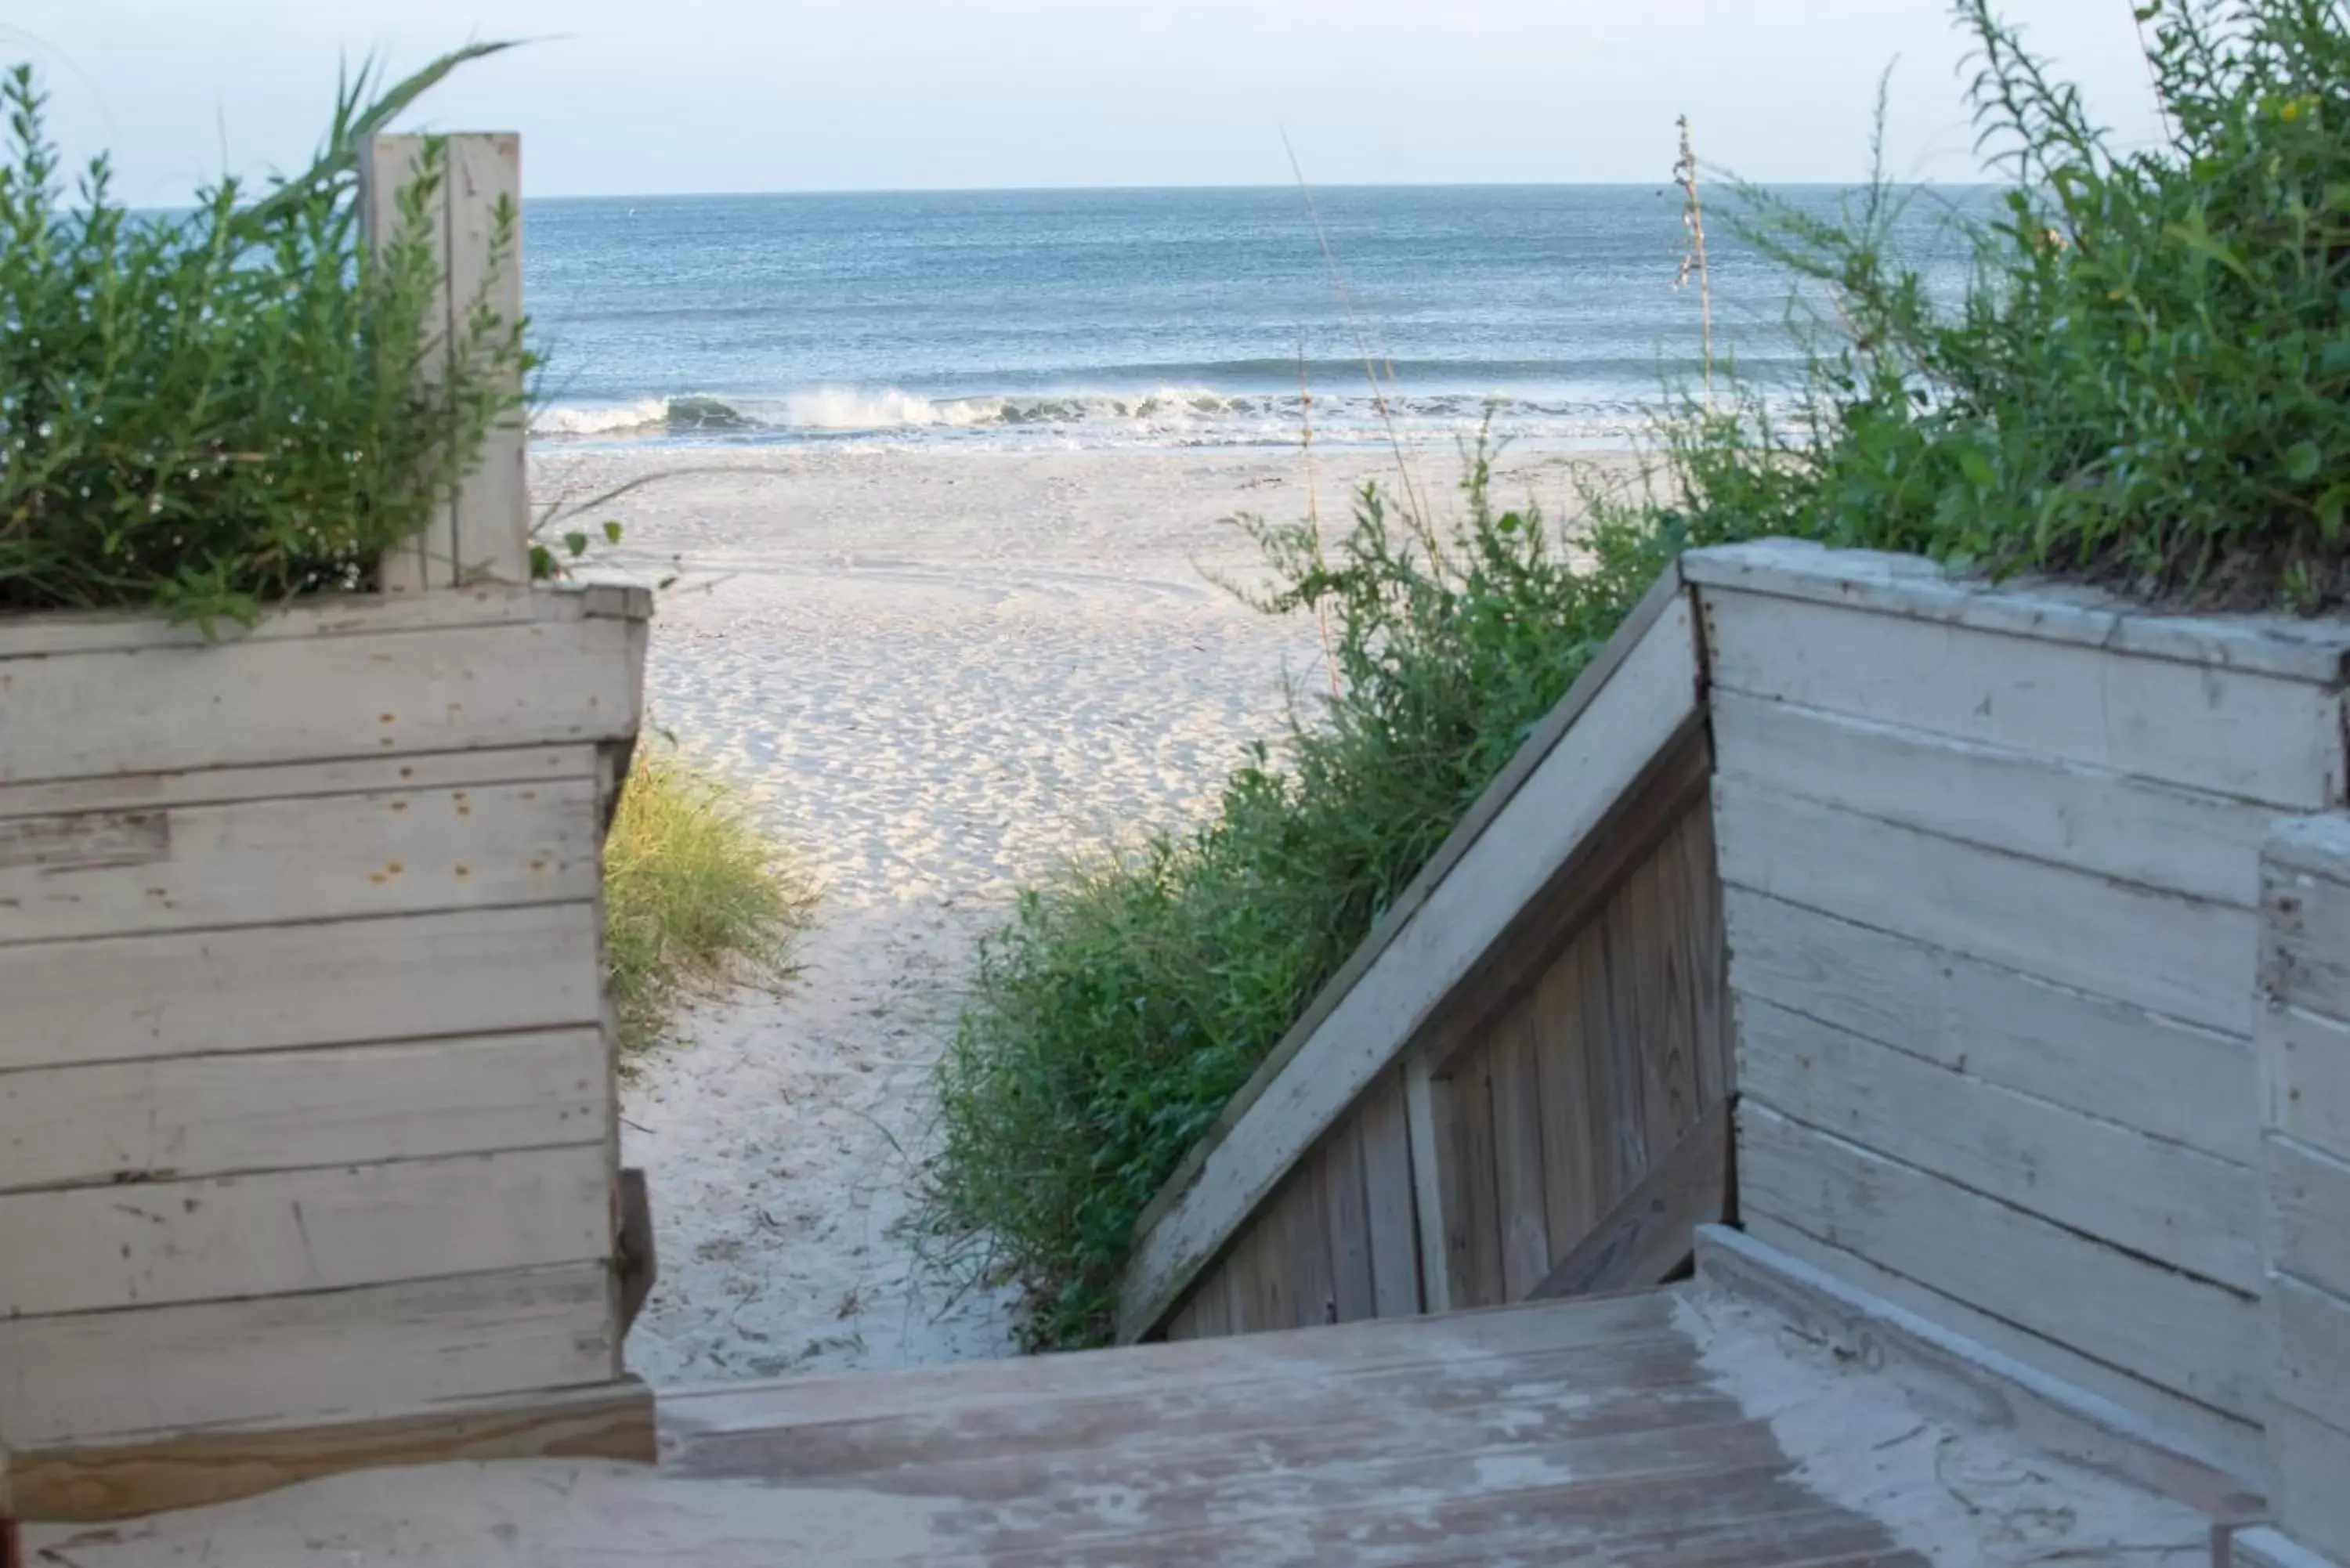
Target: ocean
(1156, 318)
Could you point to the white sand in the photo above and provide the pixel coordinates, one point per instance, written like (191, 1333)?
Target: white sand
(937, 673)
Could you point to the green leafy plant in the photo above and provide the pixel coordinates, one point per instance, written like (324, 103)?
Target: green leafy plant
(211, 412)
(2146, 383)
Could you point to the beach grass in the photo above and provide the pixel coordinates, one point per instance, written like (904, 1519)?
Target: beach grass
(696, 900)
(2147, 384)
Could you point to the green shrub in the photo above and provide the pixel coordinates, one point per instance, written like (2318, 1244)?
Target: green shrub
(209, 411)
(696, 897)
(2147, 382)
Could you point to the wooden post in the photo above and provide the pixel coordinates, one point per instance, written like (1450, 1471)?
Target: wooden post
(481, 532)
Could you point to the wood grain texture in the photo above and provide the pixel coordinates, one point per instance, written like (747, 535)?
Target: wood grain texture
(2233, 733)
(2304, 959)
(2310, 1503)
(351, 692)
(2146, 1195)
(300, 781)
(1463, 1103)
(2087, 1052)
(1518, 1161)
(2229, 1446)
(318, 1358)
(185, 1117)
(1353, 1292)
(2196, 1339)
(2184, 958)
(2306, 1078)
(481, 532)
(2309, 1214)
(155, 1243)
(2136, 830)
(1565, 1050)
(327, 857)
(2310, 1335)
(1647, 702)
(1650, 1233)
(271, 987)
(1393, 1218)
(93, 1485)
(2290, 646)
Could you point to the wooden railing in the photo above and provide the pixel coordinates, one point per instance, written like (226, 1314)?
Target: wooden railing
(1518, 1086)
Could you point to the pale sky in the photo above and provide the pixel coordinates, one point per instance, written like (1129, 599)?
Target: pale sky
(640, 96)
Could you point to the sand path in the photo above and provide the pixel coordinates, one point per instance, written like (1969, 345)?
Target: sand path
(937, 674)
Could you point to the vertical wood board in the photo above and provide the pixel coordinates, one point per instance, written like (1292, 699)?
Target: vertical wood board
(1392, 1215)
(2309, 1214)
(2311, 1335)
(1518, 1159)
(2305, 1063)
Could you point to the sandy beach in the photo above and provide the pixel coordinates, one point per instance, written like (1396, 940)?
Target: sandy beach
(936, 673)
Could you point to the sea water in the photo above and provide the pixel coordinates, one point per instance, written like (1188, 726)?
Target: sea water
(1147, 316)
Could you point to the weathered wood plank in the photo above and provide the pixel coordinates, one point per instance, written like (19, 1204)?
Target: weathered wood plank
(1709, 956)
(2304, 961)
(253, 701)
(2306, 1078)
(1463, 1101)
(2309, 1214)
(2309, 1499)
(1304, 1211)
(2291, 647)
(178, 1117)
(2086, 1052)
(2231, 1445)
(2252, 736)
(1212, 1304)
(295, 781)
(155, 1243)
(481, 532)
(1428, 1176)
(2136, 830)
(1648, 699)
(2312, 1346)
(609, 1421)
(325, 857)
(1392, 1219)
(2184, 958)
(319, 1357)
(1354, 1290)
(265, 988)
(1518, 1159)
(2181, 1334)
(1651, 1233)
(1184, 1323)
(1563, 1052)
(2159, 1199)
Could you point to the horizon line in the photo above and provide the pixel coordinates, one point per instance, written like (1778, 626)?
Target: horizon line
(1660, 186)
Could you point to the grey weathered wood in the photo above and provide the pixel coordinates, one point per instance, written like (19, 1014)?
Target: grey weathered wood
(321, 857)
(2155, 835)
(2311, 1501)
(2304, 960)
(271, 987)
(2306, 1078)
(1463, 1103)
(349, 690)
(1652, 1231)
(1563, 1049)
(1388, 1188)
(2311, 1335)
(1663, 595)
(2098, 1177)
(481, 532)
(1959, 1379)
(2089, 1052)
(1626, 721)
(2265, 1546)
(177, 1117)
(300, 781)
(2293, 648)
(2309, 1214)
(2255, 737)
(1353, 1290)
(1518, 1161)
(2197, 1339)
(2185, 958)
(2230, 1445)
(282, 1232)
(316, 1358)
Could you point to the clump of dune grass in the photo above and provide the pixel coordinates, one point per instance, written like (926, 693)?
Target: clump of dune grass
(696, 897)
